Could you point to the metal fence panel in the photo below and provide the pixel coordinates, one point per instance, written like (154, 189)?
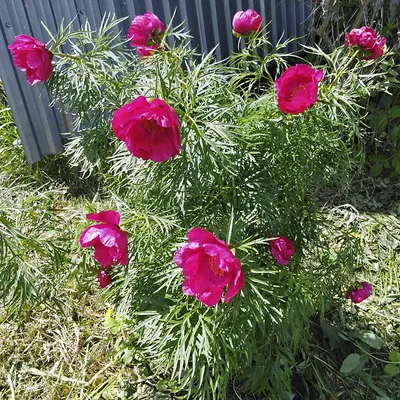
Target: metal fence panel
(209, 21)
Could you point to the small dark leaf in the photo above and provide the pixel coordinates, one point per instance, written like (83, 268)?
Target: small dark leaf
(350, 363)
(375, 170)
(332, 333)
(394, 112)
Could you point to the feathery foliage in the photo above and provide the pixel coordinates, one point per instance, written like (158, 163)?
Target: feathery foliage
(246, 172)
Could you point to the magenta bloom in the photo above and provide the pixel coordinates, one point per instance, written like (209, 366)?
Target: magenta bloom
(109, 241)
(104, 278)
(297, 88)
(146, 51)
(208, 266)
(282, 249)
(246, 22)
(149, 129)
(359, 293)
(145, 33)
(366, 40)
(32, 57)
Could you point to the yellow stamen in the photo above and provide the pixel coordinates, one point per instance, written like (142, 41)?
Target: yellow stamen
(214, 268)
(151, 126)
(295, 91)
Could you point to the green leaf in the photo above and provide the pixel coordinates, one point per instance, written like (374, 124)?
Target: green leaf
(392, 369)
(369, 338)
(390, 297)
(332, 333)
(162, 385)
(127, 355)
(381, 123)
(375, 170)
(394, 112)
(109, 322)
(394, 356)
(377, 158)
(394, 133)
(350, 363)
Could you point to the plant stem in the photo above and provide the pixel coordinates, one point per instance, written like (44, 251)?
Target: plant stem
(65, 55)
(344, 69)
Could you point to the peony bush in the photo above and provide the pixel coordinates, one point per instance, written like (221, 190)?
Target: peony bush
(216, 170)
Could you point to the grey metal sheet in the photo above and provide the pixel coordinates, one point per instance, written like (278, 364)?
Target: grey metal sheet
(36, 122)
(209, 21)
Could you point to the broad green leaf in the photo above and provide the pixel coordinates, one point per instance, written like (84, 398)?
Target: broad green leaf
(163, 385)
(109, 322)
(369, 338)
(394, 356)
(332, 333)
(391, 369)
(394, 112)
(394, 133)
(378, 158)
(127, 355)
(350, 363)
(375, 170)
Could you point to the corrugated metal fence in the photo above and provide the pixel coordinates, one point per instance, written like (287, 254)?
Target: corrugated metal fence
(39, 126)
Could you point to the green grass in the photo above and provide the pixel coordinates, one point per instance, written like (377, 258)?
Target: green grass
(338, 335)
(63, 351)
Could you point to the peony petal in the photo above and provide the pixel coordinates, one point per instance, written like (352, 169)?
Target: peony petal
(235, 286)
(89, 236)
(186, 287)
(191, 264)
(201, 280)
(202, 236)
(108, 234)
(102, 255)
(34, 59)
(146, 51)
(31, 77)
(104, 279)
(212, 297)
(163, 147)
(108, 216)
(122, 243)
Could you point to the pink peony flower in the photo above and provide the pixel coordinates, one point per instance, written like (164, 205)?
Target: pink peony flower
(104, 278)
(282, 249)
(149, 129)
(109, 241)
(297, 88)
(208, 266)
(145, 33)
(366, 40)
(359, 293)
(32, 57)
(146, 51)
(246, 22)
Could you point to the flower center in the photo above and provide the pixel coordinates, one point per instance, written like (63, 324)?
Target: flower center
(214, 268)
(295, 91)
(151, 126)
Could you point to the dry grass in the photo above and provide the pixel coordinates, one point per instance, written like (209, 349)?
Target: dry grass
(52, 356)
